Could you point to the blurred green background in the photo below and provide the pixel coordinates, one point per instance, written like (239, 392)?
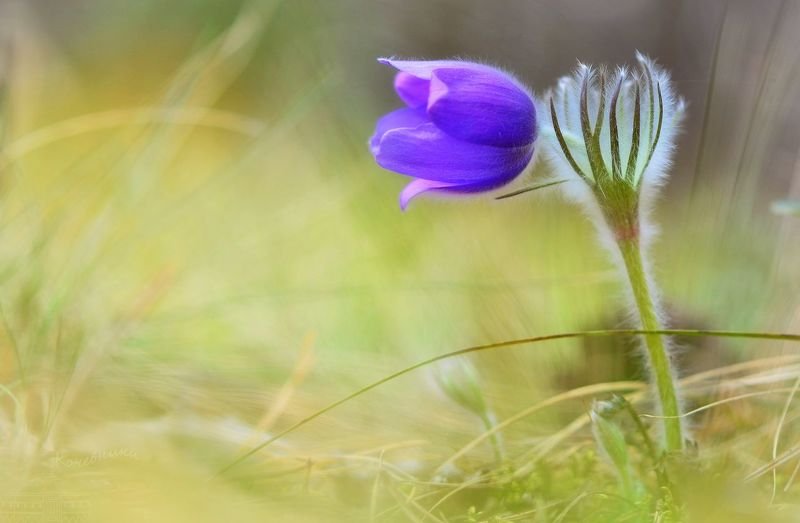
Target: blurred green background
(197, 249)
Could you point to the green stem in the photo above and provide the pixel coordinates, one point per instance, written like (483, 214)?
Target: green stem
(629, 247)
(490, 422)
(658, 466)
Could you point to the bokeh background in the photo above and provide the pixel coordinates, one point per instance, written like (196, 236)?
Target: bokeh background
(197, 250)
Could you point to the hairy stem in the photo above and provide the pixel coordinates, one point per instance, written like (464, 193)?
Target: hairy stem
(630, 248)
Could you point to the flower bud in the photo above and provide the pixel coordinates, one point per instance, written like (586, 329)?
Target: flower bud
(613, 128)
(466, 128)
(611, 441)
(460, 382)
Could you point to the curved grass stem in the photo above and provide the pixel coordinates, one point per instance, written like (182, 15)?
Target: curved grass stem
(503, 345)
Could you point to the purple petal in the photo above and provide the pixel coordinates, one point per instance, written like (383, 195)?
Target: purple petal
(429, 153)
(485, 107)
(399, 119)
(412, 90)
(416, 188)
(485, 185)
(419, 186)
(424, 68)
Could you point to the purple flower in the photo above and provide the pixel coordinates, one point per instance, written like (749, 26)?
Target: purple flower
(466, 128)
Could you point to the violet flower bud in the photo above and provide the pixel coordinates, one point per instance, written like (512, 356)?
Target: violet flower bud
(466, 128)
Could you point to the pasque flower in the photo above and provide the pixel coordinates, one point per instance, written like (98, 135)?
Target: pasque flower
(466, 128)
(613, 134)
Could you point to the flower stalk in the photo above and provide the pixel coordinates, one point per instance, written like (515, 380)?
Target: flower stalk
(629, 247)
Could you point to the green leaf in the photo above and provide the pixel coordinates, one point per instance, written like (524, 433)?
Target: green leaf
(529, 189)
(563, 143)
(630, 173)
(654, 143)
(616, 161)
